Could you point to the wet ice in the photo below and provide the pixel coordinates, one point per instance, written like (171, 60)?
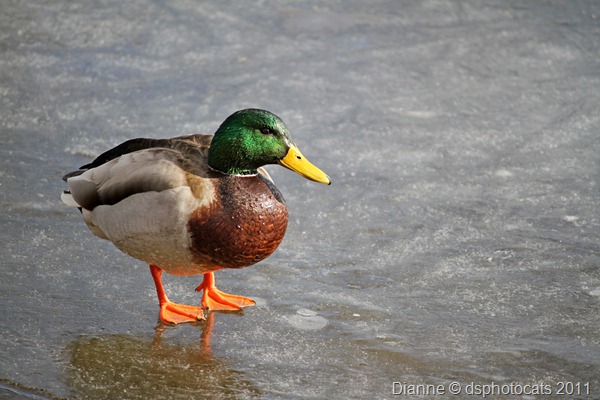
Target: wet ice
(459, 239)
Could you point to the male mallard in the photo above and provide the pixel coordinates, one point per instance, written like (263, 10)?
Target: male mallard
(193, 204)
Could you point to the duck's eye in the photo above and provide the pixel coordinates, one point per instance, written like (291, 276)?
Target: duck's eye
(267, 131)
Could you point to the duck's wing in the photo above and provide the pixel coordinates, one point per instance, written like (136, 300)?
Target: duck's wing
(181, 143)
(138, 166)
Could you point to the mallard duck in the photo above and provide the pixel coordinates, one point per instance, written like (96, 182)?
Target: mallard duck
(192, 205)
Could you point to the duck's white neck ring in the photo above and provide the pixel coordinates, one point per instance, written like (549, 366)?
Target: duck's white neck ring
(239, 175)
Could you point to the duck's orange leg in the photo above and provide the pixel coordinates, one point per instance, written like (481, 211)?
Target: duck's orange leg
(214, 299)
(173, 313)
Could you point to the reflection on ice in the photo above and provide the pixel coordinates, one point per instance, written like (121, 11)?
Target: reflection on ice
(117, 366)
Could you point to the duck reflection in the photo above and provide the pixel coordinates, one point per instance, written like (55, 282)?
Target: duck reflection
(123, 366)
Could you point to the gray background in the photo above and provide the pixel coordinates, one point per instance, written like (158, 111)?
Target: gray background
(458, 242)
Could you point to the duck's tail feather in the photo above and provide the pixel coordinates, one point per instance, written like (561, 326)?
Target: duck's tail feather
(68, 199)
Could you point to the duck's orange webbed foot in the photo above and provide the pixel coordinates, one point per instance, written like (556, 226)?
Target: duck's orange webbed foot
(173, 313)
(214, 299)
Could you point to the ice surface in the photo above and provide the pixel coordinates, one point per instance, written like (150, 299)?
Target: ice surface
(458, 241)
(307, 320)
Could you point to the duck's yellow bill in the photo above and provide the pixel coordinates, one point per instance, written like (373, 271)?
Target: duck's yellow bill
(295, 161)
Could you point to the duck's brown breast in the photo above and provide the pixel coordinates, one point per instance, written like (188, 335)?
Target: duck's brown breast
(244, 225)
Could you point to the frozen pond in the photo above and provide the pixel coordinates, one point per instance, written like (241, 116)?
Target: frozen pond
(459, 241)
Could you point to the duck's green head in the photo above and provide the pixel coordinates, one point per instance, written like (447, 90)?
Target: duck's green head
(251, 138)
